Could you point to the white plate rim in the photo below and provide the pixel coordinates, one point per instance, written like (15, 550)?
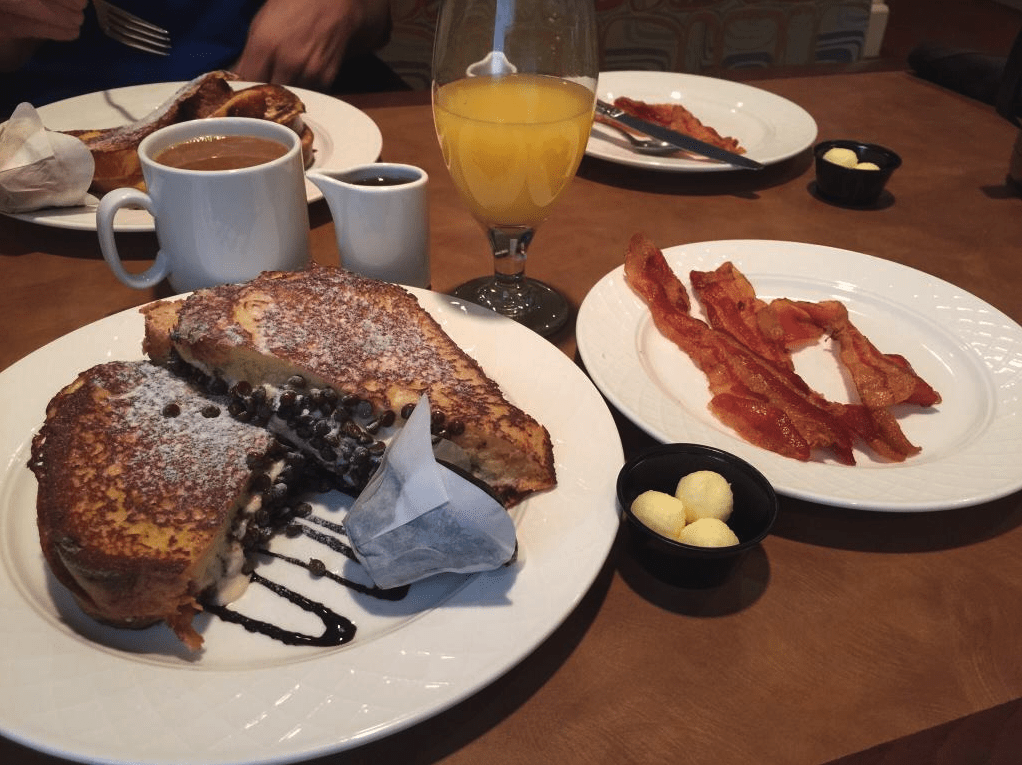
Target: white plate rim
(770, 127)
(962, 341)
(67, 697)
(344, 137)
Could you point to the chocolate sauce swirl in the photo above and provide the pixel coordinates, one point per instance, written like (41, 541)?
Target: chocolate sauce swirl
(337, 629)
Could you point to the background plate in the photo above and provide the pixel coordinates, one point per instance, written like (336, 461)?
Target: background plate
(769, 127)
(76, 689)
(968, 350)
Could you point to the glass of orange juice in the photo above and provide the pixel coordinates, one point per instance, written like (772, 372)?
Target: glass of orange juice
(514, 86)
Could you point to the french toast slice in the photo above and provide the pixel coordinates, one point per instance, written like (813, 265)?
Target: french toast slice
(115, 149)
(148, 491)
(302, 351)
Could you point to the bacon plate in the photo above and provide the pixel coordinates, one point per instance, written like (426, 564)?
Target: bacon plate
(744, 353)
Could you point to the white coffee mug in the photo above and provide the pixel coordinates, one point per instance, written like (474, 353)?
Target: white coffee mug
(381, 216)
(215, 226)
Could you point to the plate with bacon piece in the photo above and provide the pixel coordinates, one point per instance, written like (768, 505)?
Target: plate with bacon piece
(846, 379)
(737, 117)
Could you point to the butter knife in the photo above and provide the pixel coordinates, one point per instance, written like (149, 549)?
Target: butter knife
(682, 141)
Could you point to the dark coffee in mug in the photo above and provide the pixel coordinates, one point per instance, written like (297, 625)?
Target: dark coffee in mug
(221, 152)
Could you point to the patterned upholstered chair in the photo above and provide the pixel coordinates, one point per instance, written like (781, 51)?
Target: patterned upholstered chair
(697, 36)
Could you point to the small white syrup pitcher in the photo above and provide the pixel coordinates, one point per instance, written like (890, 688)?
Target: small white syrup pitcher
(381, 215)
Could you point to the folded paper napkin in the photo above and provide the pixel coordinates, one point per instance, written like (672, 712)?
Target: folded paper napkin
(39, 167)
(417, 517)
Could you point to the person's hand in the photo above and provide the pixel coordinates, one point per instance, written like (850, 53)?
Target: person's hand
(26, 23)
(304, 43)
(41, 19)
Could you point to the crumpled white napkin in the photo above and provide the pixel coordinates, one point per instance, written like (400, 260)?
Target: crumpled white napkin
(41, 168)
(417, 518)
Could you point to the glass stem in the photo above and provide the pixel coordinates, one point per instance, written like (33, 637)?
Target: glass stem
(509, 246)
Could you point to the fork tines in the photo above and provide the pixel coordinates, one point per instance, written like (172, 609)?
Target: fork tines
(129, 29)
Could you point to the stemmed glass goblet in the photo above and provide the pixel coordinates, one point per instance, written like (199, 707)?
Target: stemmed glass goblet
(514, 86)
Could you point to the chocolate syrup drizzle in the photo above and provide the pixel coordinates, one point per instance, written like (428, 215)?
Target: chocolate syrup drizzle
(341, 431)
(337, 629)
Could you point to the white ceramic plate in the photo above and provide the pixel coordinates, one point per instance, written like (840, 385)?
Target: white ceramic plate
(79, 690)
(968, 350)
(770, 128)
(344, 137)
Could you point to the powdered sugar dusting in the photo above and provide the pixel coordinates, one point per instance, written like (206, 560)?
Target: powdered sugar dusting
(180, 450)
(401, 344)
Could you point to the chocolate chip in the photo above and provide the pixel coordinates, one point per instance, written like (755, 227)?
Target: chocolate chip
(261, 482)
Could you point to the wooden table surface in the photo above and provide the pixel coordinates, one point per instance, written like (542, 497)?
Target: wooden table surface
(852, 636)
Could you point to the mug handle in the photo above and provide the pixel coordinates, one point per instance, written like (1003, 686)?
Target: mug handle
(108, 206)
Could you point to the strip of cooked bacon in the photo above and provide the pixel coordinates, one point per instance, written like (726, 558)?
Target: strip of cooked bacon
(769, 406)
(677, 117)
(762, 424)
(731, 306)
(753, 389)
(879, 428)
(769, 330)
(881, 379)
(796, 323)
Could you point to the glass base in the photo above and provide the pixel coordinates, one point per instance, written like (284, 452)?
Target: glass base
(538, 306)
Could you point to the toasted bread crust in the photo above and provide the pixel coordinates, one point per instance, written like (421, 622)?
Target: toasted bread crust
(134, 504)
(363, 337)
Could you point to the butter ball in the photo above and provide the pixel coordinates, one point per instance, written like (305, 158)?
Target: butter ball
(843, 157)
(660, 512)
(708, 532)
(705, 494)
(867, 166)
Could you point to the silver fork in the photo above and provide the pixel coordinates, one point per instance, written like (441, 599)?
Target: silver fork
(129, 29)
(653, 146)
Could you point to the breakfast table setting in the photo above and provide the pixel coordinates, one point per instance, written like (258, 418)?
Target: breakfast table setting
(877, 619)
